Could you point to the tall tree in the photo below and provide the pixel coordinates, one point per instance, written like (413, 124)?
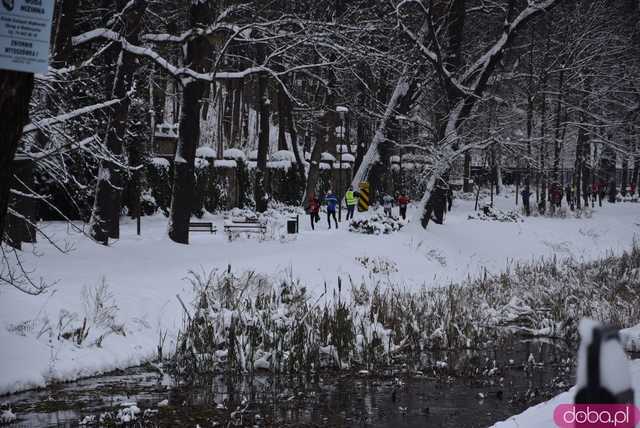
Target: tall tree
(105, 216)
(15, 93)
(197, 50)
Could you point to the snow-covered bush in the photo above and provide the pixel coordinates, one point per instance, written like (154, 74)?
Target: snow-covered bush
(158, 177)
(7, 417)
(627, 198)
(376, 224)
(98, 321)
(247, 322)
(378, 265)
(148, 203)
(487, 212)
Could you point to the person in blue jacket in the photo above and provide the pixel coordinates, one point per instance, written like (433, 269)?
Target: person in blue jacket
(332, 201)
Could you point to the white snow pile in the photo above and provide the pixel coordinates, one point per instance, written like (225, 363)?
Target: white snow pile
(282, 164)
(327, 157)
(128, 413)
(201, 163)
(348, 157)
(206, 152)
(234, 154)
(377, 224)
(630, 337)
(7, 417)
(283, 155)
(224, 163)
(489, 213)
(627, 198)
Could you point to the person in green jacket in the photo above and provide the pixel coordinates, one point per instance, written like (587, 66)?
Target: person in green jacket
(351, 200)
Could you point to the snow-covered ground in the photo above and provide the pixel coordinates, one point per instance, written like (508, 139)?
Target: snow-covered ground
(542, 414)
(145, 273)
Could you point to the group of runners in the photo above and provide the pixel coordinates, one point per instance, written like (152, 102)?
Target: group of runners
(596, 193)
(330, 200)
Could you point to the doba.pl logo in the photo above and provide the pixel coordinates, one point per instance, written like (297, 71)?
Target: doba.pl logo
(596, 415)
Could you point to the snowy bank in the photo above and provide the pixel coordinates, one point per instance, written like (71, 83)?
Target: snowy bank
(542, 414)
(144, 274)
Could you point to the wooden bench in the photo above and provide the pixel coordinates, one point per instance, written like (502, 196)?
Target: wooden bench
(202, 227)
(245, 227)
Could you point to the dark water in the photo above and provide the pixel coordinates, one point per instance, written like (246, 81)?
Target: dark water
(475, 389)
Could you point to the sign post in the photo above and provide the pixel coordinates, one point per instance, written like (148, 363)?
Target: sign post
(25, 31)
(363, 199)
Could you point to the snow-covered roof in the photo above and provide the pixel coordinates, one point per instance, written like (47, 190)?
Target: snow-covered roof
(324, 165)
(253, 155)
(348, 157)
(206, 152)
(283, 155)
(282, 164)
(327, 157)
(395, 159)
(342, 109)
(224, 163)
(235, 154)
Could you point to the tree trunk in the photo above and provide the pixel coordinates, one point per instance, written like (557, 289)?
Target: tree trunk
(325, 141)
(542, 201)
(401, 91)
(556, 138)
(62, 46)
(197, 55)
(260, 195)
(105, 216)
(625, 173)
(282, 119)
(291, 125)
(636, 164)
(236, 125)
(15, 93)
(22, 229)
(467, 185)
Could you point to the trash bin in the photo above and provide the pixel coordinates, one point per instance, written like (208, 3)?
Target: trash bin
(292, 225)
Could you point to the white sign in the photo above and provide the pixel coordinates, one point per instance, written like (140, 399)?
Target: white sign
(25, 30)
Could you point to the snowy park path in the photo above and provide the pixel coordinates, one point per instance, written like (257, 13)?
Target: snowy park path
(145, 273)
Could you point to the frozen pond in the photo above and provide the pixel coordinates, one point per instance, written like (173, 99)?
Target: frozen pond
(472, 391)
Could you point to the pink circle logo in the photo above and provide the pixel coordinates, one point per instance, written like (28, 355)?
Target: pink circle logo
(596, 416)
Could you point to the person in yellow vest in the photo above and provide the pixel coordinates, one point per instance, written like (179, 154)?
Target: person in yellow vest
(350, 199)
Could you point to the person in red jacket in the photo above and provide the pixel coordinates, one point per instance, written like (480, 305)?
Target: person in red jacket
(403, 202)
(314, 209)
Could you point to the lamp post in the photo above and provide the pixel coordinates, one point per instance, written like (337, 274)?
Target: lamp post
(341, 112)
(401, 120)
